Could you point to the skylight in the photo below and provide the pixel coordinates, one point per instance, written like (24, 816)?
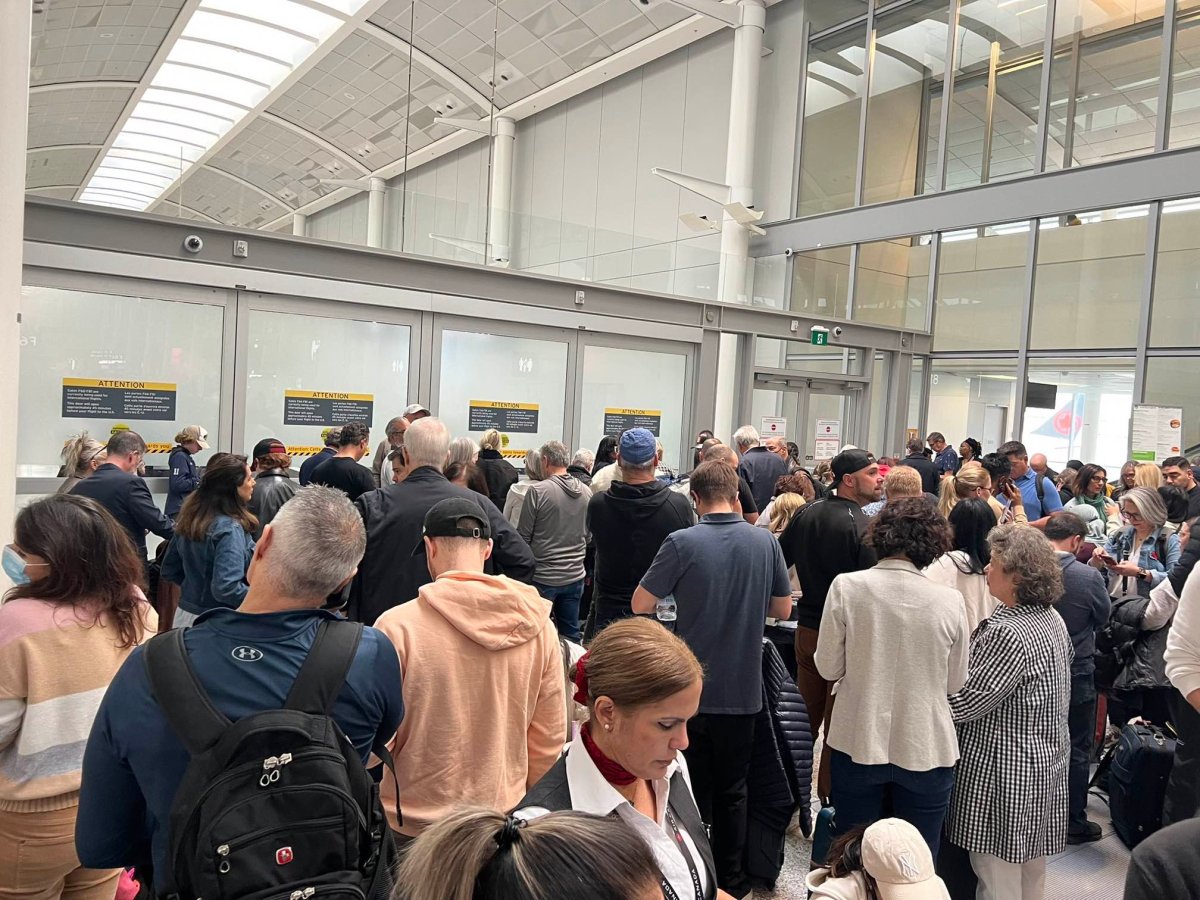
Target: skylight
(229, 56)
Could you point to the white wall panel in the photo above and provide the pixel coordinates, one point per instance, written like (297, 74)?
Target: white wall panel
(344, 223)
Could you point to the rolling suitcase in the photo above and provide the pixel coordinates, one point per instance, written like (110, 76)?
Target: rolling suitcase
(1139, 767)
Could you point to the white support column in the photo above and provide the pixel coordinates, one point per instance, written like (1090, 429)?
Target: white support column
(375, 198)
(300, 224)
(500, 192)
(14, 100)
(739, 154)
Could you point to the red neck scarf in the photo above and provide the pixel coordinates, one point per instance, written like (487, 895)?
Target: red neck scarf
(614, 773)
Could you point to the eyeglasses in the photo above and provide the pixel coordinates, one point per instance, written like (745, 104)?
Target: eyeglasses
(1132, 517)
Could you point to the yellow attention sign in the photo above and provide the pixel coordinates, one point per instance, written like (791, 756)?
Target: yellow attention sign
(124, 385)
(513, 454)
(492, 404)
(329, 395)
(158, 447)
(623, 411)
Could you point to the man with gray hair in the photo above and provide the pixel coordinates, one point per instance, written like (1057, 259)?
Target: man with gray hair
(759, 466)
(393, 569)
(246, 660)
(581, 465)
(554, 524)
(393, 440)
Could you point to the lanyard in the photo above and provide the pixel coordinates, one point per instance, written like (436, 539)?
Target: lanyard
(668, 891)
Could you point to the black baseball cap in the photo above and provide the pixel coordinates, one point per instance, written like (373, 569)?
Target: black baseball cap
(848, 462)
(267, 447)
(457, 517)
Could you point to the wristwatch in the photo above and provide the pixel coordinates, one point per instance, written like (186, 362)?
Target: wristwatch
(1144, 574)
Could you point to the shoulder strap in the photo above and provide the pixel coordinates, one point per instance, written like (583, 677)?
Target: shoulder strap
(188, 709)
(1039, 485)
(325, 668)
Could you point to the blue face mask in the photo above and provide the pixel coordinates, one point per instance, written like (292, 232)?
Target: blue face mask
(14, 566)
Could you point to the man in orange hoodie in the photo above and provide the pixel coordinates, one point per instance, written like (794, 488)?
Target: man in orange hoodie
(482, 680)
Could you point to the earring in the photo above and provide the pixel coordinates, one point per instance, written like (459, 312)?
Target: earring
(608, 728)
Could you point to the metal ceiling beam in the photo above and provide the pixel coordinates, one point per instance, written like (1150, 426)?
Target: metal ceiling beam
(313, 137)
(680, 35)
(347, 28)
(185, 13)
(80, 85)
(46, 147)
(442, 74)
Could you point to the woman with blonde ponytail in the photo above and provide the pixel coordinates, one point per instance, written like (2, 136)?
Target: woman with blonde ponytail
(81, 456)
(971, 481)
(479, 854)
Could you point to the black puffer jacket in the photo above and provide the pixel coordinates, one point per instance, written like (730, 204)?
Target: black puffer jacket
(1127, 657)
(780, 769)
(500, 474)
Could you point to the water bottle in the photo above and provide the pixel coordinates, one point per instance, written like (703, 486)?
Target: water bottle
(665, 610)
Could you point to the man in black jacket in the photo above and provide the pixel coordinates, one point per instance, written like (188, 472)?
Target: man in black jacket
(759, 466)
(824, 540)
(927, 467)
(116, 486)
(628, 524)
(394, 566)
(332, 436)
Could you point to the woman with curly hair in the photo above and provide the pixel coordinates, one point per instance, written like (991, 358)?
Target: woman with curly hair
(1009, 807)
(898, 644)
(970, 450)
(76, 612)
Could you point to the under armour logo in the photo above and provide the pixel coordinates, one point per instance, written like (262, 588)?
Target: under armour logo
(247, 654)
(907, 868)
(283, 856)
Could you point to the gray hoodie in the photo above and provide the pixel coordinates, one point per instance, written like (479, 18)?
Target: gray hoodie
(554, 524)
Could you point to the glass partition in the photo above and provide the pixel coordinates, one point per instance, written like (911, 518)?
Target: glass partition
(514, 384)
(306, 373)
(1185, 78)
(1089, 417)
(972, 398)
(1089, 279)
(625, 387)
(821, 282)
(1171, 381)
(833, 98)
(981, 287)
(1174, 322)
(892, 287)
(904, 105)
(102, 362)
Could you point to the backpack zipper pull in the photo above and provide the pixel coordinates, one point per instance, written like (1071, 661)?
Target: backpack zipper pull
(303, 895)
(271, 767)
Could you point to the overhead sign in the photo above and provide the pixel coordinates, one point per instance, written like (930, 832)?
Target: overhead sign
(620, 419)
(773, 426)
(327, 408)
(519, 418)
(87, 398)
(1156, 433)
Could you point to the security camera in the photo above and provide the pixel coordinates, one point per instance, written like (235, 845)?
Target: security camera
(837, 331)
(789, 253)
(193, 244)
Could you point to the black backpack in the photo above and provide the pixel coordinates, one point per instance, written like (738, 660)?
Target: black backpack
(277, 804)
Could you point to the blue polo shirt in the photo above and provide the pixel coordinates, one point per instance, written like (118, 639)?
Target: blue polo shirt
(134, 763)
(1034, 508)
(723, 573)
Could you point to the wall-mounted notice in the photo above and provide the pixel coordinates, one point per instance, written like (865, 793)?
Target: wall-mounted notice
(87, 398)
(1156, 433)
(518, 418)
(773, 426)
(621, 419)
(829, 429)
(327, 408)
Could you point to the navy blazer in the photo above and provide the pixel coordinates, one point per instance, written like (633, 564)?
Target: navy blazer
(128, 498)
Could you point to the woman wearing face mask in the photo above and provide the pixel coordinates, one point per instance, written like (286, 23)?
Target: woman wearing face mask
(213, 542)
(65, 629)
(641, 684)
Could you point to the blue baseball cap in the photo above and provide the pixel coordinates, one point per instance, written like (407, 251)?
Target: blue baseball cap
(638, 446)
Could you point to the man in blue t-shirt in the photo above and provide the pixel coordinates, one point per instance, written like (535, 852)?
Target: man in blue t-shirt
(1038, 493)
(727, 577)
(246, 660)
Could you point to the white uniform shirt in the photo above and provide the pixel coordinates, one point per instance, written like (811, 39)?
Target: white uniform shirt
(591, 793)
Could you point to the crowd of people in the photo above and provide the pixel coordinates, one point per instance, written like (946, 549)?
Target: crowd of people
(431, 676)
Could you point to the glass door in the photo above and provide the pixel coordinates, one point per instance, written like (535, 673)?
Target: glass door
(819, 415)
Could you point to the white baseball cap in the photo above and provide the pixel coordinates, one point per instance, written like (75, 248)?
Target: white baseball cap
(897, 857)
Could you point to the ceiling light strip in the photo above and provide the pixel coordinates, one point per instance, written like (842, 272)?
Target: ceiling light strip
(250, 54)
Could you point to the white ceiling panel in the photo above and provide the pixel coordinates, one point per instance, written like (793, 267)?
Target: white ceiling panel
(226, 200)
(58, 167)
(75, 115)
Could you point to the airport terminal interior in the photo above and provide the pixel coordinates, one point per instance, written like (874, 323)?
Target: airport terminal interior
(588, 264)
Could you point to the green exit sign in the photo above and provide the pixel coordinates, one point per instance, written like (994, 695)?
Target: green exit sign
(820, 338)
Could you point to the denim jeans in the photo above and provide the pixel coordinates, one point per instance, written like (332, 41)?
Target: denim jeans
(1081, 722)
(565, 613)
(921, 798)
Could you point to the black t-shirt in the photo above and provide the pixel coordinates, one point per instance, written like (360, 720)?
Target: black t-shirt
(746, 497)
(346, 475)
(824, 540)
